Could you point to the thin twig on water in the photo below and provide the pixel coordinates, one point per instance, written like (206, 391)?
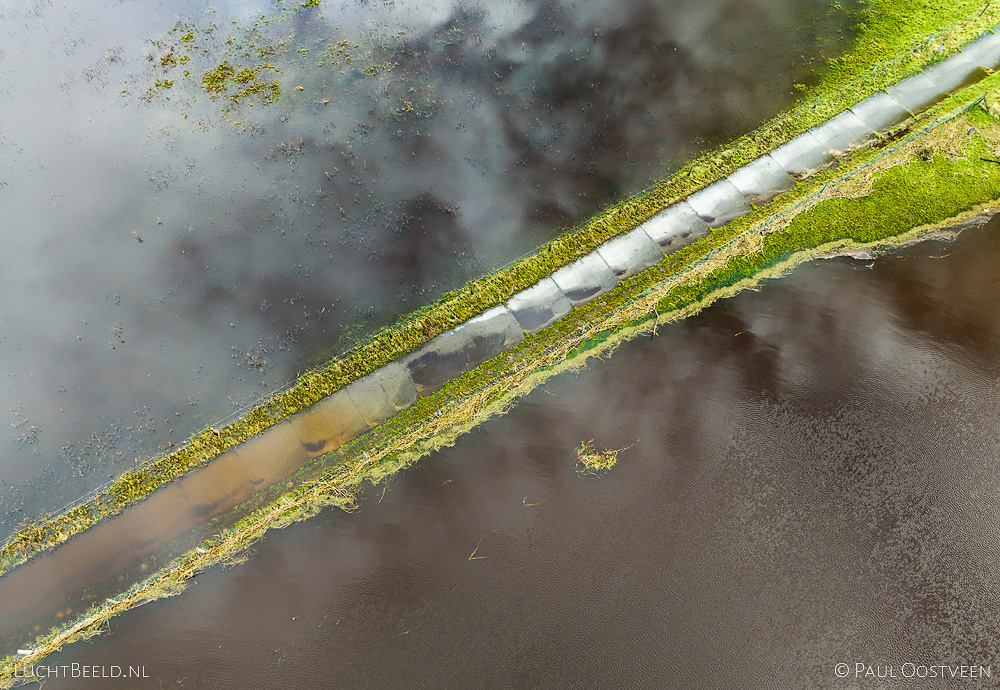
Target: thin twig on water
(473, 556)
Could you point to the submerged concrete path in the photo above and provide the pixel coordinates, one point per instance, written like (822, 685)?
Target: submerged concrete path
(351, 411)
(369, 401)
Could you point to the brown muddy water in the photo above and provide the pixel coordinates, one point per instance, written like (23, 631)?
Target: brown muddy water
(162, 266)
(811, 478)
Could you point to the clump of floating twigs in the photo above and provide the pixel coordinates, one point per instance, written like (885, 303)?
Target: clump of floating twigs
(593, 461)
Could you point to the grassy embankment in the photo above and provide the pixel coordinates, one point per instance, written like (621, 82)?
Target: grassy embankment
(933, 174)
(897, 39)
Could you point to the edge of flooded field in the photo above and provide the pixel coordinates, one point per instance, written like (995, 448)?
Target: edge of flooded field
(894, 44)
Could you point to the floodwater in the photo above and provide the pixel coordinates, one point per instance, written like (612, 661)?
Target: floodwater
(810, 478)
(168, 258)
(114, 554)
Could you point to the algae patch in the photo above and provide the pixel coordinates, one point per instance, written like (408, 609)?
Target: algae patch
(248, 83)
(233, 65)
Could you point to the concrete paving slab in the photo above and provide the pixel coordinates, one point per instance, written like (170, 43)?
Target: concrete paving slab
(675, 227)
(802, 156)
(273, 454)
(880, 112)
(954, 72)
(462, 349)
(843, 133)
(916, 93)
(539, 306)
(585, 279)
(719, 203)
(328, 424)
(397, 384)
(984, 51)
(761, 180)
(630, 253)
(371, 400)
(163, 515)
(217, 486)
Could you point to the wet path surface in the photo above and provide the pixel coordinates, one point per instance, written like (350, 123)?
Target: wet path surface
(164, 265)
(810, 479)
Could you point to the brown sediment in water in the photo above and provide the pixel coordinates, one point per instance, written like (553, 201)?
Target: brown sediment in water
(228, 546)
(98, 555)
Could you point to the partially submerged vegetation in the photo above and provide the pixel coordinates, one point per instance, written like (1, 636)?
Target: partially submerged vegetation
(851, 79)
(593, 461)
(247, 72)
(894, 39)
(247, 82)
